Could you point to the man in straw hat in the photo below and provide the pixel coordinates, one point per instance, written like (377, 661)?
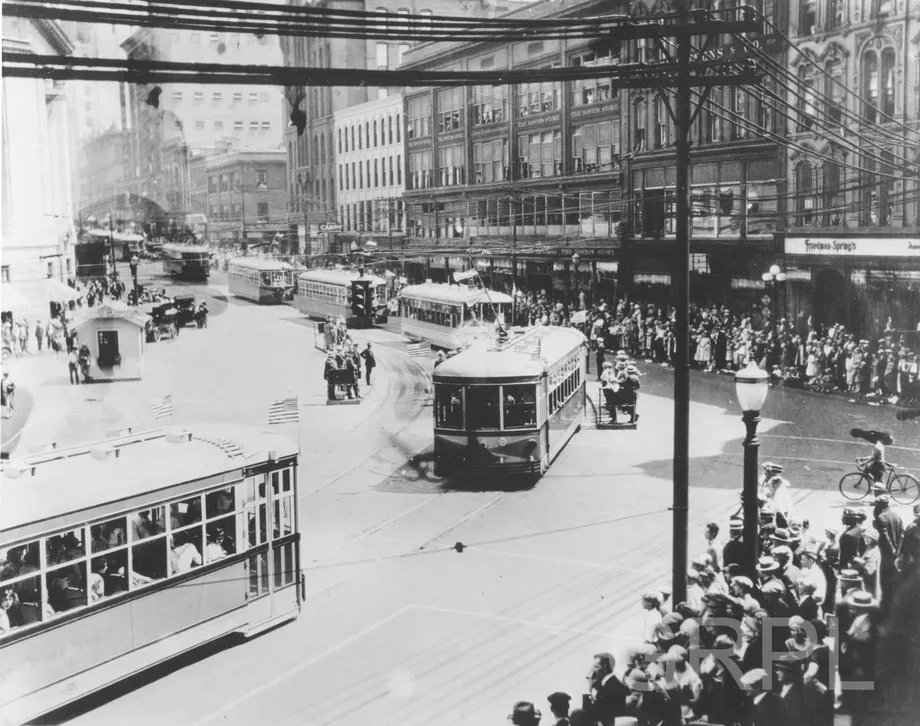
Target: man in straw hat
(851, 541)
(524, 714)
(858, 648)
(765, 708)
(909, 552)
(890, 530)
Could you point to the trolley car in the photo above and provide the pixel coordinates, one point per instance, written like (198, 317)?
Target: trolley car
(188, 261)
(509, 408)
(326, 292)
(444, 314)
(173, 538)
(263, 281)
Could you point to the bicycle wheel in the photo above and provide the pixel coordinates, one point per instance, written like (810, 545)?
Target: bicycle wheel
(904, 489)
(855, 485)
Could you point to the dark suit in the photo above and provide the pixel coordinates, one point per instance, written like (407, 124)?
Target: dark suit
(851, 546)
(328, 372)
(766, 712)
(370, 362)
(801, 706)
(610, 700)
(733, 553)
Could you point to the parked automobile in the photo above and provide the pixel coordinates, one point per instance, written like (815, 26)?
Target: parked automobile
(164, 321)
(185, 309)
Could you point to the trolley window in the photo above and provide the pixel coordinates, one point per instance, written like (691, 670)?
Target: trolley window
(483, 405)
(449, 407)
(520, 407)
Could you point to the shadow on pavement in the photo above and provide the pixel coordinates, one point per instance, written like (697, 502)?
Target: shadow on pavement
(12, 427)
(416, 476)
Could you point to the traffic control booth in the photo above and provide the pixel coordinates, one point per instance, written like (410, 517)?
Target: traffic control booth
(115, 335)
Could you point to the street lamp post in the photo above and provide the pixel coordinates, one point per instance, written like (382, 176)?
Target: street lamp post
(575, 259)
(751, 386)
(773, 277)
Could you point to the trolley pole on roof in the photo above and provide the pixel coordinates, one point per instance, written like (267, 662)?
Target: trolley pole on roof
(681, 261)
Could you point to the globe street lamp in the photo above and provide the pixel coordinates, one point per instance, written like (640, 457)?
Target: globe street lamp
(772, 278)
(751, 386)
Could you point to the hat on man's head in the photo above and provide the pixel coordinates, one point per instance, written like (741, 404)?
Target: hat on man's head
(769, 466)
(743, 581)
(754, 679)
(854, 514)
(861, 600)
(636, 680)
(782, 550)
(767, 564)
(736, 524)
(773, 587)
(883, 498)
(559, 699)
(790, 666)
(870, 535)
(782, 536)
(631, 369)
(523, 710)
(849, 575)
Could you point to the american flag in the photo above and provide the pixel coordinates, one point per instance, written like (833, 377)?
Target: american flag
(419, 350)
(162, 407)
(284, 411)
(537, 353)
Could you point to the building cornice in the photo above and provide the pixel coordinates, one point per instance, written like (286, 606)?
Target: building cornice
(52, 31)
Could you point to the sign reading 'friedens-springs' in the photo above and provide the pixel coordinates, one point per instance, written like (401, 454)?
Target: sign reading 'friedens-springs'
(854, 247)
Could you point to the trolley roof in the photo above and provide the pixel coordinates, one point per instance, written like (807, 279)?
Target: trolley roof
(339, 277)
(516, 360)
(85, 478)
(203, 249)
(263, 265)
(456, 294)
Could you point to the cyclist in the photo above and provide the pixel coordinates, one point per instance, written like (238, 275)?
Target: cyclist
(875, 463)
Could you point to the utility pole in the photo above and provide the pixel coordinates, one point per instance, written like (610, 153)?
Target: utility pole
(112, 240)
(242, 206)
(513, 242)
(681, 283)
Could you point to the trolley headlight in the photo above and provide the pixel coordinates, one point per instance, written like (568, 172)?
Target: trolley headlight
(531, 444)
(503, 441)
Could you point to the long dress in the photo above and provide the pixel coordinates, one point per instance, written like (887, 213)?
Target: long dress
(704, 349)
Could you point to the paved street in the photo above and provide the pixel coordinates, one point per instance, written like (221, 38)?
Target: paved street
(399, 627)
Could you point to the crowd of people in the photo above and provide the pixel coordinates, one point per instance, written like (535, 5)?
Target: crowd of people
(783, 642)
(884, 370)
(343, 354)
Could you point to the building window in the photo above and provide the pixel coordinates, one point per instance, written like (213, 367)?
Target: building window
(217, 97)
(419, 121)
(214, 38)
(398, 129)
(887, 82)
(870, 86)
(450, 109)
(212, 184)
(451, 166)
(593, 90)
(491, 161)
(834, 11)
(360, 175)
(196, 37)
(261, 178)
(198, 96)
(367, 134)
(661, 138)
(808, 18)
(199, 126)
(237, 125)
(338, 135)
(253, 125)
(254, 97)
(389, 129)
(490, 104)
(5, 273)
(834, 200)
(807, 101)
(237, 97)
(392, 177)
(383, 61)
(266, 125)
(177, 96)
(262, 210)
(536, 98)
(354, 180)
(804, 194)
(403, 49)
(398, 168)
(540, 154)
(218, 125)
(594, 148)
(375, 133)
(833, 90)
(376, 172)
(419, 173)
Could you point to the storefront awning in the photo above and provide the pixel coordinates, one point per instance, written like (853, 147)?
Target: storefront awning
(647, 279)
(745, 283)
(13, 300)
(608, 266)
(59, 292)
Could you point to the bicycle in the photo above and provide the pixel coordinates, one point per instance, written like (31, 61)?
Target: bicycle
(903, 488)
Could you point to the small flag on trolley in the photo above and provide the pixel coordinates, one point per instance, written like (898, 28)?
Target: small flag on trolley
(537, 353)
(461, 276)
(284, 411)
(419, 350)
(162, 407)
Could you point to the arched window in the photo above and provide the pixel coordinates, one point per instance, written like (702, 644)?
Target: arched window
(367, 134)
(639, 120)
(834, 199)
(713, 117)
(661, 123)
(322, 149)
(341, 181)
(887, 82)
(368, 173)
(398, 164)
(886, 181)
(389, 129)
(375, 132)
(352, 138)
(807, 99)
(870, 86)
(360, 138)
(339, 135)
(398, 130)
(315, 159)
(833, 89)
(376, 173)
(804, 194)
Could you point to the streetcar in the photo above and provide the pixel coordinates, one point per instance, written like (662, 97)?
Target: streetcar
(510, 406)
(326, 292)
(260, 280)
(187, 261)
(447, 315)
(122, 554)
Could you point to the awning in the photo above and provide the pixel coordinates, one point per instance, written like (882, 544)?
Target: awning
(59, 292)
(13, 300)
(608, 266)
(746, 283)
(127, 237)
(652, 279)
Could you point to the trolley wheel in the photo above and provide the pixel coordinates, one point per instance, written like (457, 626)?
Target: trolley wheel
(157, 335)
(856, 485)
(174, 330)
(905, 489)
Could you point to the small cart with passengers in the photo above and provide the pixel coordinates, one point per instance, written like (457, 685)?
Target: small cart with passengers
(163, 323)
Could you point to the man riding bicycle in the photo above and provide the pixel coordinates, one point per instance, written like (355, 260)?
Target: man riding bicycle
(875, 463)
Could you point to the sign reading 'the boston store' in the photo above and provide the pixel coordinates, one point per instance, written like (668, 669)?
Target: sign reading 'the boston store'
(854, 247)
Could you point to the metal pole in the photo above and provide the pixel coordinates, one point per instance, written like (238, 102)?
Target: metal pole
(242, 206)
(514, 269)
(682, 327)
(112, 240)
(751, 510)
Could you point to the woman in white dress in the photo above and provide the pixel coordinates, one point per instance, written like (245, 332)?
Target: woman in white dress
(704, 351)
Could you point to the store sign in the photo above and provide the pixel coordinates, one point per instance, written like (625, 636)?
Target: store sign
(330, 227)
(853, 247)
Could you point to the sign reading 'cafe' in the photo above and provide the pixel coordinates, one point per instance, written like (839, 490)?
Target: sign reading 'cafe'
(854, 247)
